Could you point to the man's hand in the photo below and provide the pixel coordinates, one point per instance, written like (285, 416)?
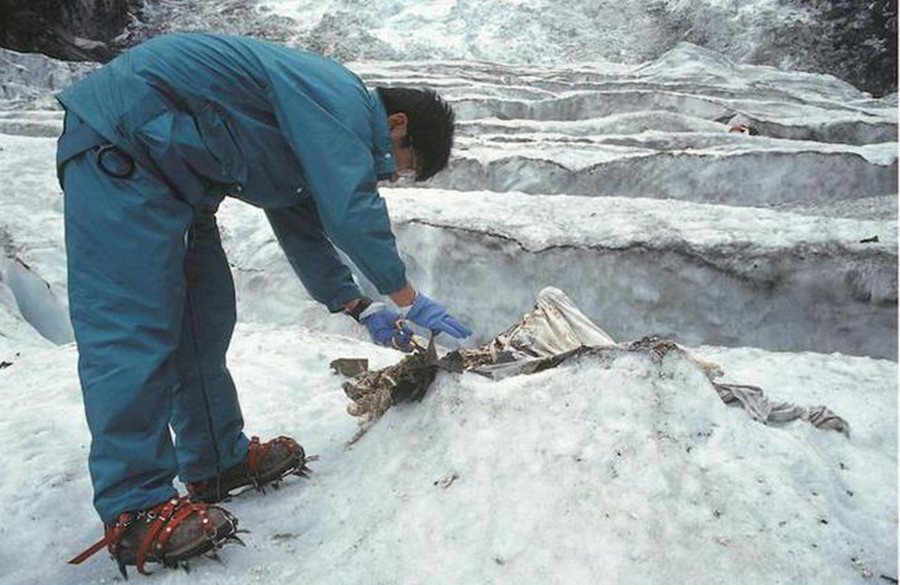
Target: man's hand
(386, 327)
(432, 315)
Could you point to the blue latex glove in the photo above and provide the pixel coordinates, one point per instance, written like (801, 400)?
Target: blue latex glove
(386, 327)
(432, 315)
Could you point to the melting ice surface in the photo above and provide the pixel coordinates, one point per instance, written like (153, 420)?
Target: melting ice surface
(621, 185)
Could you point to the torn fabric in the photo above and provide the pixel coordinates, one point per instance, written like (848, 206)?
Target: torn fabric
(554, 331)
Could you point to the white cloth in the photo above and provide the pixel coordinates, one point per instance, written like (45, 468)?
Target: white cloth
(556, 329)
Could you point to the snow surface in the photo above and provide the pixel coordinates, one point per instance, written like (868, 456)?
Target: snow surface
(591, 473)
(617, 182)
(540, 222)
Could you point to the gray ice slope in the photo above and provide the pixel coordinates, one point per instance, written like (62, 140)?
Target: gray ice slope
(722, 168)
(699, 273)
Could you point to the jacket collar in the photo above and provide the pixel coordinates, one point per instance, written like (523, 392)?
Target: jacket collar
(385, 165)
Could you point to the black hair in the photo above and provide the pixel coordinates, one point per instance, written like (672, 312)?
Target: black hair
(430, 126)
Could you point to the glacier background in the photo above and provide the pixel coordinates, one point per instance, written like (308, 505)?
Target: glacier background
(593, 154)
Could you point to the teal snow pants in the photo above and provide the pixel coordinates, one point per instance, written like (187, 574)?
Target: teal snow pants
(152, 304)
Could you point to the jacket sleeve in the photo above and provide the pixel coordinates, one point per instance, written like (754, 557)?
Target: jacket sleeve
(312, 256)
(327, 120)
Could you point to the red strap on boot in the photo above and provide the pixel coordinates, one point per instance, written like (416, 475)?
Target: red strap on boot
(161, 520)
(256, 454)
(90, 551)
(110, 539)
(181, 514)
(172, 514)
(166, 518)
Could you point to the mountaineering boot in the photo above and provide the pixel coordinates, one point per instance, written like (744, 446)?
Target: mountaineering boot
(169, 533)
(266, 463)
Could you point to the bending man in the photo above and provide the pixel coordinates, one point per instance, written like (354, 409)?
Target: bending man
(153, 142)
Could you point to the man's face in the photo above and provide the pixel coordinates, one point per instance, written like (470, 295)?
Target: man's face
(404, 156)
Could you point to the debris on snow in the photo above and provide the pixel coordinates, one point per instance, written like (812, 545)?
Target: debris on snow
(447, 480)
(554, 331)
(349, 367)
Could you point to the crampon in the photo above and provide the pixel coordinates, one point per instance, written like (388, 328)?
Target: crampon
(266, 464)
(170, 534)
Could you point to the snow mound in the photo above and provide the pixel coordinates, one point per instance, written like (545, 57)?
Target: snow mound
(600, 469)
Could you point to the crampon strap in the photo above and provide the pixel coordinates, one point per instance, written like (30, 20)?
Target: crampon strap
(110, 539)
(90, 551)
(257, 452)
(166, 517)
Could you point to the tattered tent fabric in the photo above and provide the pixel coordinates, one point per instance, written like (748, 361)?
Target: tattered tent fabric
(552, 332)
(755, 401)
(556, 327)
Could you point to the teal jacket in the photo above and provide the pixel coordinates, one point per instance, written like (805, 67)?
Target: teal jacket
(291, 132)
